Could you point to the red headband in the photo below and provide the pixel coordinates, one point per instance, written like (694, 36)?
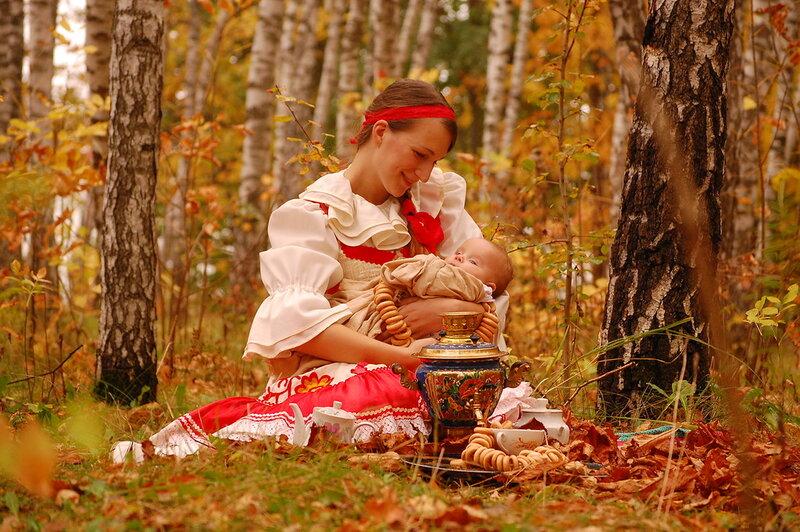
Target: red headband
(406, 113)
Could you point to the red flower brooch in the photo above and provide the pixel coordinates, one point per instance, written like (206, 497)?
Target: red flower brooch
(426, 229)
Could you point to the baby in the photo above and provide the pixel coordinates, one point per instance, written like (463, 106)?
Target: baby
(478, 271)
(485, 260)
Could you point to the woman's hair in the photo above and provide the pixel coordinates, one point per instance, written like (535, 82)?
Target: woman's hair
(405, 93)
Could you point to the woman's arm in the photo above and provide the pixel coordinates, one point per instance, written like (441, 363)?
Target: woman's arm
(337, 343)
(423, 316)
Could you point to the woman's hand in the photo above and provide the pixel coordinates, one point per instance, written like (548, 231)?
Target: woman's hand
(409, 361)
(423, 315)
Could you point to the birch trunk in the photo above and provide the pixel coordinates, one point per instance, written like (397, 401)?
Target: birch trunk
(173, 243)
(335, 10)
(99, 15)
(346, 114)
(627, 19)
(410, 23)
(288, 171)
(286, 67)
(382, 13)
(126, 358)
(517, 76)
(250, 231)
(785, 89)
(422, 47)
(663, 260)
(42, 24)
(499, 44)
(40, 81)
(11, 26)
(210, 51)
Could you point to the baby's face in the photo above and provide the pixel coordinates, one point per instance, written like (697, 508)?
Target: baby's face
(478, 257)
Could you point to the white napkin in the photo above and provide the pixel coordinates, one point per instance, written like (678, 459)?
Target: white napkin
(512, 401)
(121, 449)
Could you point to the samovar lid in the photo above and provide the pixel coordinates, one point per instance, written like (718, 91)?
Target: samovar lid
(458, 340)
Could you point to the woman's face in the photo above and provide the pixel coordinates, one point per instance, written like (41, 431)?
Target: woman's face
(404, 157)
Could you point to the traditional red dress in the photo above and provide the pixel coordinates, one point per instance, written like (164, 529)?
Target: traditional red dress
(326, 235)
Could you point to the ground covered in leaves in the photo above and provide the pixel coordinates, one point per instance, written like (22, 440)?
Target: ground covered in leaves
(60, 477)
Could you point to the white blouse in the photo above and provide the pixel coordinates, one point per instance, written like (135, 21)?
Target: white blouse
(304, 259)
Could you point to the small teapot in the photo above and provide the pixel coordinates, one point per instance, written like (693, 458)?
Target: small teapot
(551, 418)
(341, 423)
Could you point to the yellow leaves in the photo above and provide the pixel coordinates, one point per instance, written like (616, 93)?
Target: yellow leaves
(279, 119)
(29, 458)
(748, 104)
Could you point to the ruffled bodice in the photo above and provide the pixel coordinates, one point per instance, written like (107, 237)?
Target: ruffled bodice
(305, 260)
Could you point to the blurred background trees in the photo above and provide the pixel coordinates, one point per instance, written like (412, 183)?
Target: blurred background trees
(259, 97)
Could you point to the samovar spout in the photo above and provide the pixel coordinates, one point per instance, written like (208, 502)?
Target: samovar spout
(402, 372)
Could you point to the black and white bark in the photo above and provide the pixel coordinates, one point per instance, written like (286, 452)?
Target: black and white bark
(347, 114)
(627, 19)
(250, 231)
(407, 34)
(335, 10)
(126, 357)
(99, 16)
(289, 172)
(11, 33)
(496, 73)
(663, 260)
(424, 42)
(517, 76)
(382, 15)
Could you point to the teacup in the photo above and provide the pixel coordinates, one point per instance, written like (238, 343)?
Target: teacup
(512, 441)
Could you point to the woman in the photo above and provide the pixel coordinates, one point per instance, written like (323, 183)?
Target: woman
(346, 225)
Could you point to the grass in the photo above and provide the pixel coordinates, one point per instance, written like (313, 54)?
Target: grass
(261, 486)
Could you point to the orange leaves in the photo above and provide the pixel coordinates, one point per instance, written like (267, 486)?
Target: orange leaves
(28, 457)
(387, 510)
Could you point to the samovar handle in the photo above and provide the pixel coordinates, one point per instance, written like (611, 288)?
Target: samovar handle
(516, 373)
(402, 372)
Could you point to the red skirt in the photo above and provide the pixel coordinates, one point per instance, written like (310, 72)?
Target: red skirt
(372, 392)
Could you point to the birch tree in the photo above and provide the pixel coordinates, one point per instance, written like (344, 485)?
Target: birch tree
(11, 26)
(346, 114)
(209, 60)
(517, 76)
(499, 44)
(40, 83)
(407, 33)
(284, 78)
(173, 245)
(663, 260)
(424, 42)
(335, 10)
(250, 232)
(301, 85)
(42, 43)
(99, 15)
(627, 19)
(382, 19)
(126, 357)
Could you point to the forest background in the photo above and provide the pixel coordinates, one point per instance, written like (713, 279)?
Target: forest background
(260, 97)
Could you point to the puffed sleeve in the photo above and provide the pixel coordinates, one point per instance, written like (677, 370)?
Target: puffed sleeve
(297, 270)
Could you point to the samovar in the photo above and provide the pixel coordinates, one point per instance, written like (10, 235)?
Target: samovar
(461, 378)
